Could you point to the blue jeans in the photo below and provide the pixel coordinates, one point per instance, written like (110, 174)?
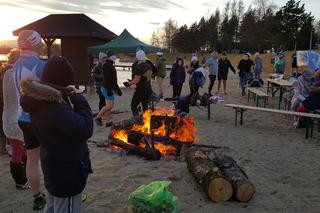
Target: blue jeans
(243, 80)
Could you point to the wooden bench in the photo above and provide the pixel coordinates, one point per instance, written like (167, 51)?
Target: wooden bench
(257, 95)
(310, 117)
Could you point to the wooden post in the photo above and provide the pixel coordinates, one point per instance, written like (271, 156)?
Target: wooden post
(49, 42)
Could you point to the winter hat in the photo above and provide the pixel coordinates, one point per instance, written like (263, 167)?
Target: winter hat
(194, 58)
(307, 74)
(58, 71)
(102, 56)
(159, 54)
(248, 54)
(140, 55)
(28, 39)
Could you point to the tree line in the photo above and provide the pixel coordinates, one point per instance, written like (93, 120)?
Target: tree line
(260, 27)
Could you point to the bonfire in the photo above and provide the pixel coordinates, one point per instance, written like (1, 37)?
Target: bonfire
(157, 133)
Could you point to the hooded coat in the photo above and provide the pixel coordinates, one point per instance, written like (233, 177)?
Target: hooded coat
(177, 74)
(62, 125)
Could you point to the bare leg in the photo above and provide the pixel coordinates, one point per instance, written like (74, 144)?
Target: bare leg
(32, 170)
(106, 110)
(225, 86)
(219, 85)
(160, 86)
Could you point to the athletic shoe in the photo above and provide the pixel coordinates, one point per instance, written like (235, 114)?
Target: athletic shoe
(99, 121)
(23, 187)
(39, 202)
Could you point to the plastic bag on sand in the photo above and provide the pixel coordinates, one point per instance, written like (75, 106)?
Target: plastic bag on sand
(154, 198)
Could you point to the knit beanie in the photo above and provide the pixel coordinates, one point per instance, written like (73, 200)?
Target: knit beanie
(102, 56)
(59, 71)
(140, 55)
(194, 58)
(28, 39)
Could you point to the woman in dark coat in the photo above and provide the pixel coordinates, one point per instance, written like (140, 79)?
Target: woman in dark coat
(177, 77)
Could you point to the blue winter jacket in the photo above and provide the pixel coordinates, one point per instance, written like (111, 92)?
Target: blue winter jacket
(62, 125)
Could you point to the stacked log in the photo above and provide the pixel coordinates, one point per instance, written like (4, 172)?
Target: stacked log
(219, 175)
(209, 176)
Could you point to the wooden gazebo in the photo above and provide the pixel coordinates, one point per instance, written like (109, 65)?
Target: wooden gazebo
(77, 32)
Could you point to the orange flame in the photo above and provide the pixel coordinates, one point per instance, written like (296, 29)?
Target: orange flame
(183, 131)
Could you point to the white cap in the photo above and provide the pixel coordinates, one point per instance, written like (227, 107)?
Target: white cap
(28, 39)
(194, 58)
(140, 55)
(102, 56)
(159, 54)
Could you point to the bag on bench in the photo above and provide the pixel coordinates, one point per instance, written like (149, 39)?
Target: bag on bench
(254, 82)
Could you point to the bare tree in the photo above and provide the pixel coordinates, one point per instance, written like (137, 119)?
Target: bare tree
(155, 40)
(169, 30)
(263, 7)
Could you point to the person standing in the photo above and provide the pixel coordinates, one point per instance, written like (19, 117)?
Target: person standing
(258, 66)
(97, 76)
(212, 63)
(30, 66)
(245, 67)
(10, 125)
(280, 64)
(193, 66)
(177, 77)
(62, 121)
(161, 72)
(223, 69)
(109, 89)
(142, 79)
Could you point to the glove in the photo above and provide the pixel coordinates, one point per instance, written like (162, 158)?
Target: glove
(126, 84)
(109, 92)
(119, 92)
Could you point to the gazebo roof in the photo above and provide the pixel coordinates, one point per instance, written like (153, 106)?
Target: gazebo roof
(68, 25)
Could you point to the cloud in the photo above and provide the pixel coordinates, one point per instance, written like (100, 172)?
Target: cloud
(98, 7)
(154, 23)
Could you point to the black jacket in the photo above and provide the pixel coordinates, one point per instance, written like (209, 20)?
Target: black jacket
(63, 127)
(245, 66)
(110, 80)
(177, 74)
(145, 71)
(224, 65)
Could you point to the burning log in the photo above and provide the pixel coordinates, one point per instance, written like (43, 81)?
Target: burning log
(128, 123)
(209, 176)
(243, 188)
(147, 152)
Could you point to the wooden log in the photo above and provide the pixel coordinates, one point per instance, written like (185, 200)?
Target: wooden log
(128, 123)
(147, 152)
(243, 187)
(209, 176)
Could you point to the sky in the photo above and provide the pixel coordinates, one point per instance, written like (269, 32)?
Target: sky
(140, 17)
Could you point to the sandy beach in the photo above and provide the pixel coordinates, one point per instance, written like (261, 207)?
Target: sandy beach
(283, 166)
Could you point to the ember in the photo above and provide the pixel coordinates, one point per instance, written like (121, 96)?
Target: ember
(160, 130)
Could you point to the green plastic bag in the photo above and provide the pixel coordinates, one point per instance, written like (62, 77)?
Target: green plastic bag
(154, 198)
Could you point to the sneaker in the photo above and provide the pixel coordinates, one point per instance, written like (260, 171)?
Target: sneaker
(109, 124)
(39, 202)
(84, 197)
(23, 186)
(99, 121)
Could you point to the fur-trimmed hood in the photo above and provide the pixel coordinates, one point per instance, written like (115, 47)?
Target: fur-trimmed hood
(36, 95)
(39, 91)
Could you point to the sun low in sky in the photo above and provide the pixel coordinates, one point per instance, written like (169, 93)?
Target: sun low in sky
(140, 17)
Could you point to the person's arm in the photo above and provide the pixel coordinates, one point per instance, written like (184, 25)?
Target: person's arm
(135, 80)
(76, 123)
(231, 67)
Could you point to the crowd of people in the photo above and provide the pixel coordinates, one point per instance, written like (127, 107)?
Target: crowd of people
(46, 119)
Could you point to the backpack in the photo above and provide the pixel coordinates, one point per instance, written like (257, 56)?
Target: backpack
(255, 82)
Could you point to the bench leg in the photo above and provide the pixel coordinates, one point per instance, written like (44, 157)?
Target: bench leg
(249, 95)
(309, 127)
(209, 110)
(236, 117)
(258, 98)
(241, 116)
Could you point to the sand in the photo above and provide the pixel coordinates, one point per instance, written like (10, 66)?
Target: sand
(284, 167)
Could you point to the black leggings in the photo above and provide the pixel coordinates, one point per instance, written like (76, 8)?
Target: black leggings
(102, 99)
(139, 97)
(176, 90)
(212, 80)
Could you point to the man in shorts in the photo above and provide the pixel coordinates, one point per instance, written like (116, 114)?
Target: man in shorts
(30, 66)
(223, 68)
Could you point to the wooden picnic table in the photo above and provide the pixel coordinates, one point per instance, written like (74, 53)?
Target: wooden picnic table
(282, 85)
